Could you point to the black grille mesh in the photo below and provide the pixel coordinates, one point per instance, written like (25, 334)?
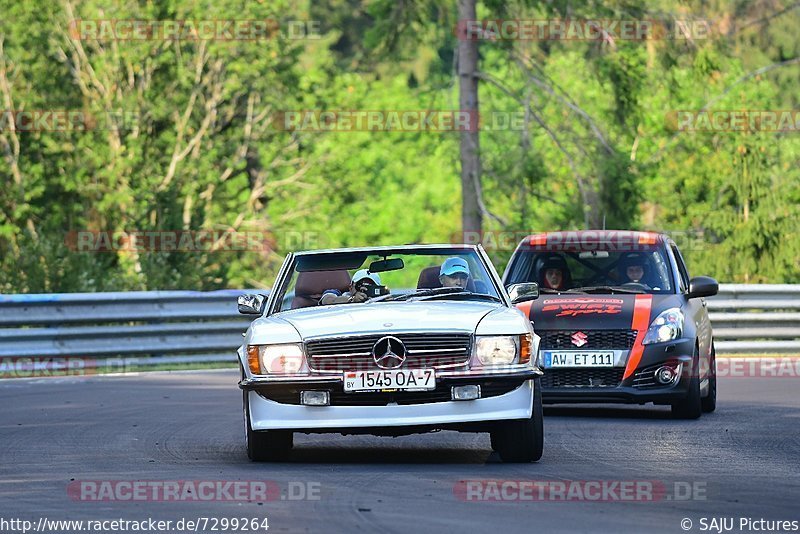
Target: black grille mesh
(595, 339)
(575, 378)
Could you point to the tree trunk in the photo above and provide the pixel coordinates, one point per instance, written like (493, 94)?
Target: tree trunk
(471, 215)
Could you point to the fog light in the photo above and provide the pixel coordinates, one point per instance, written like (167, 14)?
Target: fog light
(315, 398)
(667, 375)
(470, 392)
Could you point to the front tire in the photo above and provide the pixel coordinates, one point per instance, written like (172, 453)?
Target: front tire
(522, 440)
(265, 445)
(690, 407)
(709, 402)
(493, 440)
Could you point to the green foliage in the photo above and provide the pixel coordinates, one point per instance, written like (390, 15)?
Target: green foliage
(203, 149)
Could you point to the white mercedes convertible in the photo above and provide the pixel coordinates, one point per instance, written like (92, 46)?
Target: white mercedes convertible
(390, 341)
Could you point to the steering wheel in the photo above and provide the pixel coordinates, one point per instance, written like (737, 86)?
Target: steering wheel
(635, 285)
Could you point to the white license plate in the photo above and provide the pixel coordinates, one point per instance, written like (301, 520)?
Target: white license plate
(578, 359)
(396, 380)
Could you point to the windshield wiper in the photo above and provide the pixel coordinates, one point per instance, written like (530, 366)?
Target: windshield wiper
(461, 293)
(604, 289)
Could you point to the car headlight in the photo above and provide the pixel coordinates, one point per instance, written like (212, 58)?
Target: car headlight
(276, 359)
(666, 327)
(496, 350)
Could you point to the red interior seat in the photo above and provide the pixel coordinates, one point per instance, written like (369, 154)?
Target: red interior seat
(311, 284)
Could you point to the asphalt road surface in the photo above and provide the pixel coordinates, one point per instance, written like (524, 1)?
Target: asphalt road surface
(65, 441)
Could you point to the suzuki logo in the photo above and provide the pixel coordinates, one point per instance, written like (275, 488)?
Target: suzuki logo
(389, 353)
(579, 339)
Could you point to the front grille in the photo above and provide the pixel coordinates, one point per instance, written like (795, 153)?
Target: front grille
(577, 378)
(291, 394)
(595, 339)
(436, 351)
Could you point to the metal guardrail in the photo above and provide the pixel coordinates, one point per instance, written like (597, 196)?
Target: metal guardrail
(158, 327)
(756, 318)
(130, 328)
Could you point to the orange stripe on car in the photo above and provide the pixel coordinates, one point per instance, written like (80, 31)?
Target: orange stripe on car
(647, 238)
(640, 323)
(538, 240)
(525, 307)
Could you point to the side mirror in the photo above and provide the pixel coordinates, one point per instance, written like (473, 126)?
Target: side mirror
(523, 292)
(251, 304)
(702, 286)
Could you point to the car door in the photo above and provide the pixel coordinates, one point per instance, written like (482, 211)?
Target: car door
(696, 308)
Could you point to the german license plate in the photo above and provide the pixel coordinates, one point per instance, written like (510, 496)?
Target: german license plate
(396, 380)
(578, 359)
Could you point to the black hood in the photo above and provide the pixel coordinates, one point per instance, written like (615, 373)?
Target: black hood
(595, 312)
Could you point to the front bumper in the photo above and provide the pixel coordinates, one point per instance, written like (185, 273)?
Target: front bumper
(621, 394)
(267, 414)
(632, 390)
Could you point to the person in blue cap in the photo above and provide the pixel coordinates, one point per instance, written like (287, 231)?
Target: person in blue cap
(454, 272)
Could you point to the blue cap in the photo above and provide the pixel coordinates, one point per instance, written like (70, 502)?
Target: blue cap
(454, 265)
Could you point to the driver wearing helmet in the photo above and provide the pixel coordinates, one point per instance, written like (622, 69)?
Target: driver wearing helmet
(633, 269)
(553, 273)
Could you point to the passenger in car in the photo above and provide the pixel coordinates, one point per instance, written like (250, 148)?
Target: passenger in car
(454, 272)
(356, 292)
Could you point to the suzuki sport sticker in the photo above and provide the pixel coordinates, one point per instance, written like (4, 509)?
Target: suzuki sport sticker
(582, 306)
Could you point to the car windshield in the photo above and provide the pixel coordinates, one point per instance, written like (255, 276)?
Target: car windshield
(395, 276)
(645, 270)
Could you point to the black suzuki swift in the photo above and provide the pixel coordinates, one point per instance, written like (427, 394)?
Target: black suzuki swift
(619, 319)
